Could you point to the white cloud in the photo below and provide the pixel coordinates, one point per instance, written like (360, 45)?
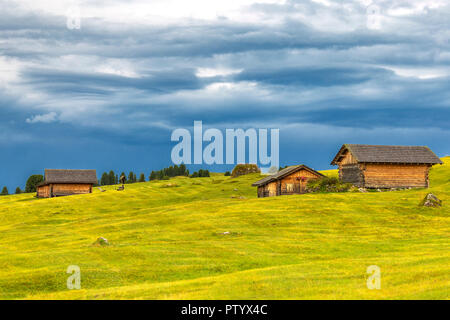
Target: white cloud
(419, 73)
(211, 72)
(44, 118)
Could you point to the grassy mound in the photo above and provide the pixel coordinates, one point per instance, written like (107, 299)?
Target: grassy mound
(217, 240)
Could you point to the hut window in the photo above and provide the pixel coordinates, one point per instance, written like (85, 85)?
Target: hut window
(289, 187)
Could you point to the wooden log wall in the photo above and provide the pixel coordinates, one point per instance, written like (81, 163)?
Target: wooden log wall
(43, 192)
(395, 175)
(67, 189)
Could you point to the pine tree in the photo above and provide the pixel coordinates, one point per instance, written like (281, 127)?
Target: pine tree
(32, 182)
(130, 177)
(142, 178)
(4, 192)
(104, 179)
(182, 169)
(112, 177)
(18, 190)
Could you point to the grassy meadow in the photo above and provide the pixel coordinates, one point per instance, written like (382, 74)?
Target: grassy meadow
(212, 238)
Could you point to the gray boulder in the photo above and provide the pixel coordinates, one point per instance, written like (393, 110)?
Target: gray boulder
(431, 200)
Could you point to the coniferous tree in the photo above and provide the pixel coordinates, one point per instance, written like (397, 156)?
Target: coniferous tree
(32, 182)
(111, 177)
(182, 169)
(142, 178)
(4, 192)
(130, 177)
(104, 180)
(18, 190)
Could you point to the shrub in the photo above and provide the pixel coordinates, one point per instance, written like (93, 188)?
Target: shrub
(243, 169)
(326, 184)
(18, 190)
(227, 174)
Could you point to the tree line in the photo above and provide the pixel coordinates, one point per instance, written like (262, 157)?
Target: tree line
(169, 172)
(111, 178)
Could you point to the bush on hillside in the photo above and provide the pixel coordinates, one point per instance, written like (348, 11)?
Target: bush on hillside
(18, 190)
(4, 192)
(327, 184)
(243, 169)
(227, 174)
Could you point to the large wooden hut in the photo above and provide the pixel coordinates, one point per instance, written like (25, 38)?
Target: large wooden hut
(66, 182)
(372, 166)
(291, 180)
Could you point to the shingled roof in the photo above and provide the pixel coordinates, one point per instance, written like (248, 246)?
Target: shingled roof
(283, 173)
(388, 154)
(69, 176)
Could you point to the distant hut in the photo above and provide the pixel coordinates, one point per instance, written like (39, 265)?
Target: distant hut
(66, 182)
(372, 166)
(291, 180)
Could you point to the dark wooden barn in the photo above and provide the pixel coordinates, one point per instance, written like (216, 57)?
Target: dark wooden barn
(66, 182)
(291, 180)
(372, 166)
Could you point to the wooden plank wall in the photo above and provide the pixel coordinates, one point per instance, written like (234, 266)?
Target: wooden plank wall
(352, 173)
(294, 179)
(71, 189)
(43, 191)
(395, 175)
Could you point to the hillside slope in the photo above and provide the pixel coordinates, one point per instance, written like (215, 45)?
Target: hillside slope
(168, 242)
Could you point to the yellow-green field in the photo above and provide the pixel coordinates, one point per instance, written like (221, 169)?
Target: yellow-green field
(168, 242)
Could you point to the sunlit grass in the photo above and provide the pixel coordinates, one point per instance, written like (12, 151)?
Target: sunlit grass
(167, 242)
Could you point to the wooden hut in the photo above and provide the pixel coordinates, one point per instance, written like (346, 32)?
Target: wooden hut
(291, 180)
(371, 166)
(66, 182)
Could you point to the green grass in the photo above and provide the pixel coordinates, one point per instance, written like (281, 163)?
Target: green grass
(167, 242)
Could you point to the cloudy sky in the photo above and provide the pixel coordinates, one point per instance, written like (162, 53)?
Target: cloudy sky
(106, 93)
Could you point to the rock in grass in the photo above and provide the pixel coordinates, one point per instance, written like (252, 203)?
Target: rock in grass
(101, 242)
(431, 200)
(362, 190)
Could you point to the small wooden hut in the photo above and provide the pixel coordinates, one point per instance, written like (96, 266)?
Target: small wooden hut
(291, 180)
(372, 166)
(66, 182)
